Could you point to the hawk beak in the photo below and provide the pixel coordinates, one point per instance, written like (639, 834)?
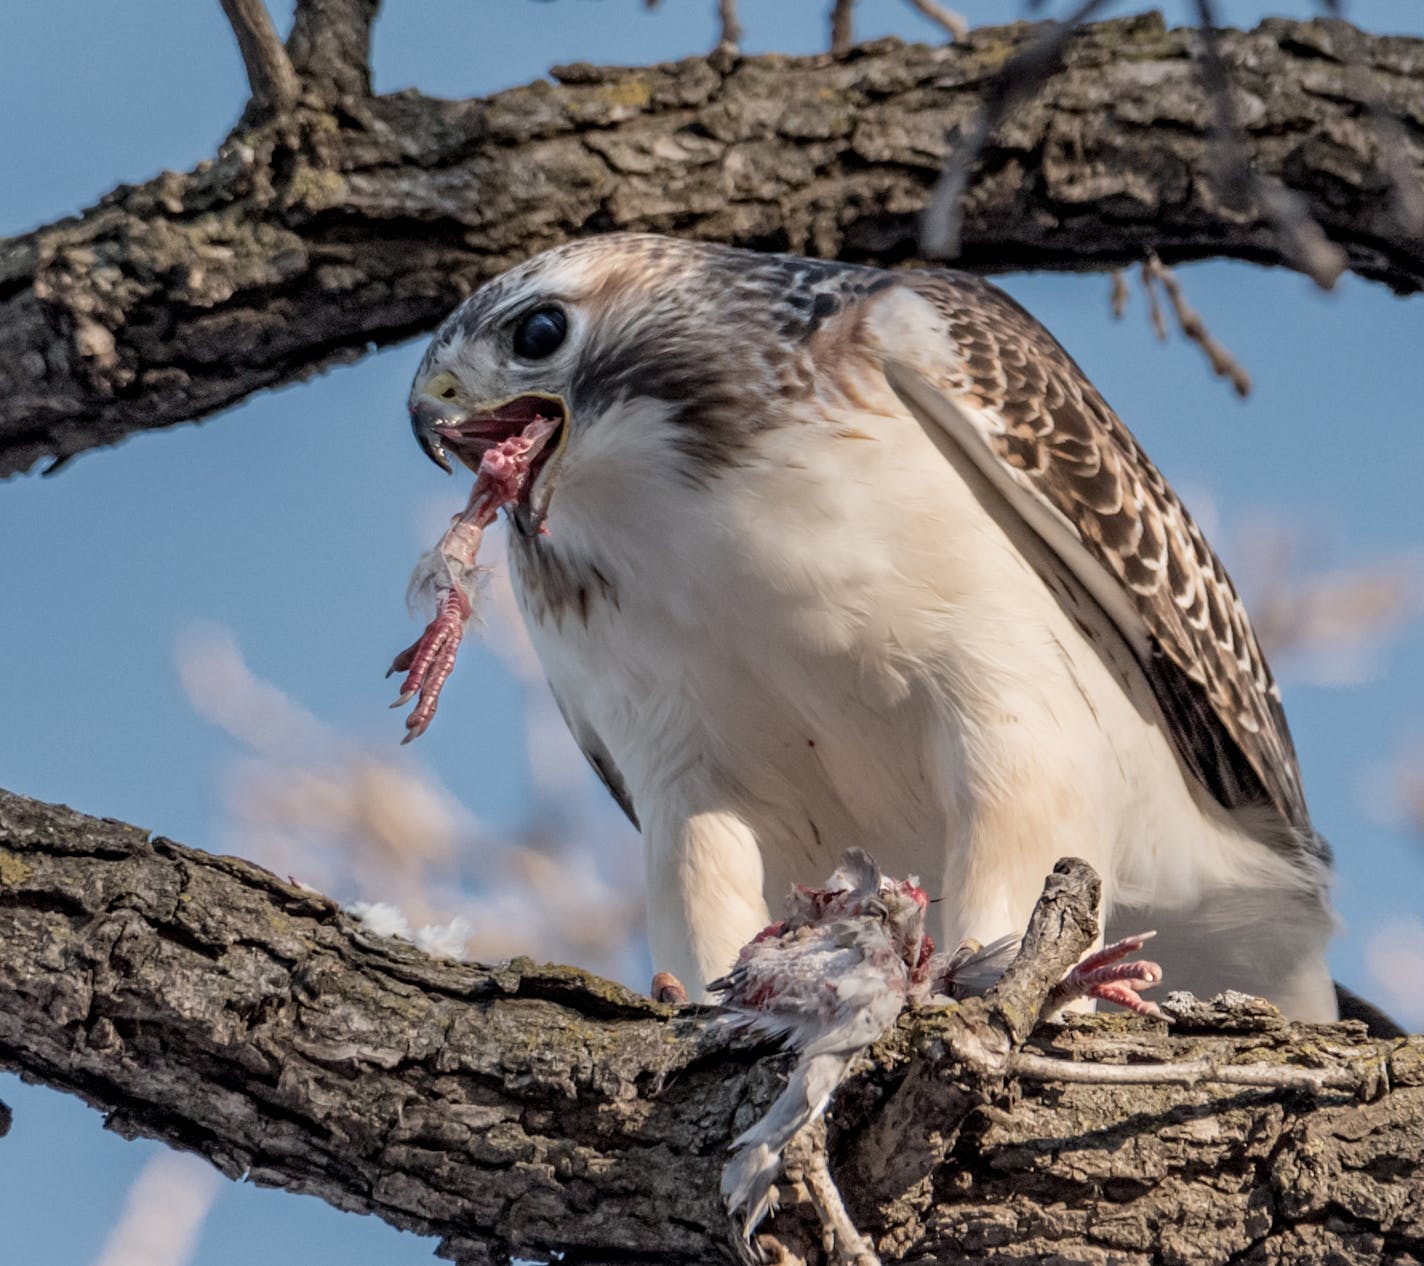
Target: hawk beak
(426, 415)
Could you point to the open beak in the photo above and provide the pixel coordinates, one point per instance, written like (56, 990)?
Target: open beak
(447, 431)
(427, 415)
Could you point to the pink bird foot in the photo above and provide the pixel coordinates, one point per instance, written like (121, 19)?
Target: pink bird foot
(1104, 976)
(429, 661)
(504, 475)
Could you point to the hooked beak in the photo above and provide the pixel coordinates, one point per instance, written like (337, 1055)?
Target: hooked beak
(427, 415)
(446, 430)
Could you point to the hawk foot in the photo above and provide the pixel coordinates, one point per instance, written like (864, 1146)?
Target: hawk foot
(669, 989)
(1104, 976)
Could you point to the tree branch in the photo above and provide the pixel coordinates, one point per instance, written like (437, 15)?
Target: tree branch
(1017, 81)
(1303, 241)
(315, 235)
(331, 46)
(274, 83)
(523, 1110)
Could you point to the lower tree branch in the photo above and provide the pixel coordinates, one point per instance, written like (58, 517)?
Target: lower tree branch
(519, 1110)
(323, 231)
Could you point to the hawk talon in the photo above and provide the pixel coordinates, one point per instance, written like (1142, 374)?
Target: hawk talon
(1103, 976)
(1124, 994)
(668, 989)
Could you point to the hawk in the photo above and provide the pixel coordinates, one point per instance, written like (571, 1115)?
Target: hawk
(818, 556)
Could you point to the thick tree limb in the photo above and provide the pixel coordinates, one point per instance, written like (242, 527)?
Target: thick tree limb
(331, 46)
(327, 229)
(524, 1110)
(1020, 79)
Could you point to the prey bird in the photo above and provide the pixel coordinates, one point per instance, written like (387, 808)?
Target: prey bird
(818, 556)
(831, 977)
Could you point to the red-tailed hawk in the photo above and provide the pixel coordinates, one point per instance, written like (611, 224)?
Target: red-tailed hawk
(819, 556)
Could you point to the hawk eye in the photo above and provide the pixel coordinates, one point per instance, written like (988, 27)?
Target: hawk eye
(540, 333)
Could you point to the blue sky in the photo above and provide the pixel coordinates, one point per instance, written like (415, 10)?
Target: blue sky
(304, 509)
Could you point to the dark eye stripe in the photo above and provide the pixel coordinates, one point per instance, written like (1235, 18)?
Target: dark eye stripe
(540, 333)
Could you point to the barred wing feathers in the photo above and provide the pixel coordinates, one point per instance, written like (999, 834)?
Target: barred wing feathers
(972, 364)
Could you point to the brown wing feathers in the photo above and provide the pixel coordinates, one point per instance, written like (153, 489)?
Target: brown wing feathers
(1206, 666)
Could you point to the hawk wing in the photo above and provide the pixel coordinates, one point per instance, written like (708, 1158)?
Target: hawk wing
(973, 365)
(598, 756)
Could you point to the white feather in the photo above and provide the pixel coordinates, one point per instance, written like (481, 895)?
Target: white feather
(435, 571)
(380, 918)
(847, 643)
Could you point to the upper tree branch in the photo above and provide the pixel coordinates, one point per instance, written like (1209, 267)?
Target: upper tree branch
(274, 83)
(523, 1110)
(331, 46)
(1020, 79)
(319, 233)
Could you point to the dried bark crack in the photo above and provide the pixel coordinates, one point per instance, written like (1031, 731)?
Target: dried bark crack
(521, 1110)
(348, 221)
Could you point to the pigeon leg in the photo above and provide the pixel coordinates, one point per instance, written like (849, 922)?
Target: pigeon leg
(428, 662)
(1103, 975)
(847, 1246)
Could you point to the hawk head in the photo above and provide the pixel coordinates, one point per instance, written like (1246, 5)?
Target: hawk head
(657, 357)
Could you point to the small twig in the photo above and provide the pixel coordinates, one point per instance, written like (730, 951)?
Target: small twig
(1302, 241)
(274, 83)
(954, 23)
(845, 1245)
(1184, 1073)
(1019, 79)
(842, 26)
(1063, 925)
(1154, 304)
(1223, 363)
(1119, 295)
(730, 37)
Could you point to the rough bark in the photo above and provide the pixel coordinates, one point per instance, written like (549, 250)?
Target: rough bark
(351, 220)
(526, 1110)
